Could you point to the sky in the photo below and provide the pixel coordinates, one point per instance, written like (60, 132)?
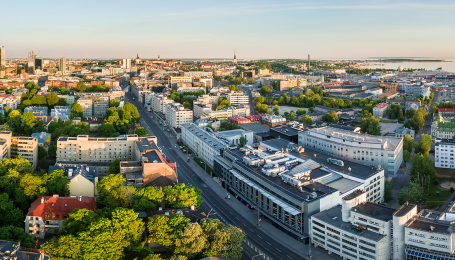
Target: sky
(326, 29)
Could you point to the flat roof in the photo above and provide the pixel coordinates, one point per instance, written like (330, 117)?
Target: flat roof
(256, 127)
(231, 132)
(404, 209)
(357, 170)
(285, 130)
(376, 211)
(343, 185)
(278, 183)
(426, 225)
(205, 136)
(333, 217)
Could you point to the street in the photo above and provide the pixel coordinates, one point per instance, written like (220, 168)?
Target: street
(212, 201)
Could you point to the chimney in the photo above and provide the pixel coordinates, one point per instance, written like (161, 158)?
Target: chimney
(80, 197)
(192, 207)
(431, 228)
(309, 62)
(42, 200)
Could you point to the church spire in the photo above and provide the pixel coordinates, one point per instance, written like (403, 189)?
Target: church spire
(137, 56)
(235, 58)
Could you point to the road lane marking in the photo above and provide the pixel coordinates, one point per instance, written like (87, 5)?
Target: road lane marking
(259, 236)
(278, 249)
(289, 256)
(268, 242)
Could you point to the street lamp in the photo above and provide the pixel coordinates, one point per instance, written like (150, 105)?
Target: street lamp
(256, 255)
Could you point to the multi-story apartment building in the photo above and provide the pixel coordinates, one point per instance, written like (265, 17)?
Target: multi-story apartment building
(443, 126)
(390, 86)
(87, 106)
(199, 110)
(177, 115)
(237, 98)
(444, 154)
(202, 143)
(14, 146)
(288, 188)
(159, 103)
(175, 80)
(47, 213)
(8, 101)
(377, 151)
(359, 229)
(379, 110)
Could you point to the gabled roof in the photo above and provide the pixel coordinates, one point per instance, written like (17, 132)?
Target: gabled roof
(60, 205)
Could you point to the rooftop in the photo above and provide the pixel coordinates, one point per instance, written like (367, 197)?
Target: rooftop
(381, 105)
(357, 170)
(404, 209)
(204, 135)
(285, 130)
(376, 211)
(388, 143)
(256, 128)
(333, 216)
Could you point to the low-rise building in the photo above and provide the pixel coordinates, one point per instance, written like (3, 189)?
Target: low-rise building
(233, 137)
(379, 110)
(61, 112)
(373, 151)
(403, 132)
(443, 127)
(41, 137)
(37, 111)
(47, 213)
(272, 120)
(237, 98)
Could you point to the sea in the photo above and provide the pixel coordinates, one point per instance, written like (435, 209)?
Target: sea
(447, 65)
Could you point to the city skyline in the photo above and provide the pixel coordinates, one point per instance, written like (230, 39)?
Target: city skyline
(256, 30)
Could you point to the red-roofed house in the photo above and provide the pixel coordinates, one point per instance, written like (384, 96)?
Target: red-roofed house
(379, 110)
(47, 213)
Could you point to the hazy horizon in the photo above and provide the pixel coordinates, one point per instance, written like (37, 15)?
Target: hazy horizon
(209, 30)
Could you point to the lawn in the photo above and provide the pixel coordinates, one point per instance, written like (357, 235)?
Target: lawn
(445, 174)
(435, 197)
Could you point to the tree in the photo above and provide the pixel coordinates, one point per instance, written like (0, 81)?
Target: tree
(301, 112)
(242, 141)
(114, 168)
(191, 241)
(434, 108)
(112, 193)
(400, 115)
(330, 116)
(80, 87)
(29, 122)
(80, 219)
(406, 156)
(223, 241)
(57, 183)
(370, 125)
(424, 144)
(408, 143)
(33, 186)
(76, 111)
(292, 116)
(387, 190)
(164, 230)
(9, 214)
(413, 194)
(422, 168)
(52, 99)
(107, 130)
(114, 103)
(180, 196)
(52, 152)
(14, 121)
(12, 233)
(307, 120)
(41, 152)
(140, 131)
(148, 198)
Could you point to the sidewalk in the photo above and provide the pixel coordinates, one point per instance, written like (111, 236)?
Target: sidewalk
(251, 215)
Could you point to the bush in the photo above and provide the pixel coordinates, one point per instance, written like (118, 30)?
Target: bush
(451, 189)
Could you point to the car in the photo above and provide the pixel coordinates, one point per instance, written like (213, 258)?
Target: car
(188, 160)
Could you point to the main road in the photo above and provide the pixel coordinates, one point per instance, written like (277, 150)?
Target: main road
(212, 201)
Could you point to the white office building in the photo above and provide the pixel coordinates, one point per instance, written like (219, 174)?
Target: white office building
(359, 229)
(206, 145)
(237, 98)
(374, 151)
(126, 64)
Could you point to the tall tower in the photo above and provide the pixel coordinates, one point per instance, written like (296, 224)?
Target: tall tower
(235, 58)
(309, 62)
(62, 65)
(2, 56)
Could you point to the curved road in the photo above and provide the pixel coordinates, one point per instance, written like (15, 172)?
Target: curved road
(212, 201)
